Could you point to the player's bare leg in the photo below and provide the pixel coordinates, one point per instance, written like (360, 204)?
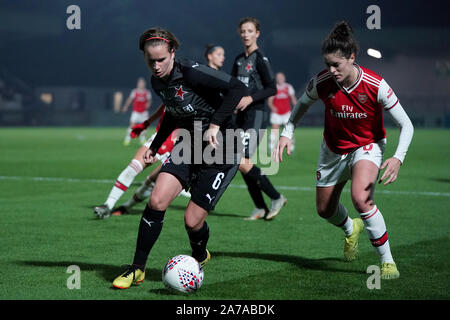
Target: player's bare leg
(329, 208)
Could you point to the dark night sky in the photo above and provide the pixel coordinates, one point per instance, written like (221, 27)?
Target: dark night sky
(36, 45)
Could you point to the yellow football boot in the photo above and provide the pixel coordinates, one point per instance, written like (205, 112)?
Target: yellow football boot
(208, 257)
(351, 242)
(132, 275)
(389, 271)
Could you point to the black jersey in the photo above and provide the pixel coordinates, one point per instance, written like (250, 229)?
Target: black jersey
(193, 93)
(256, 73)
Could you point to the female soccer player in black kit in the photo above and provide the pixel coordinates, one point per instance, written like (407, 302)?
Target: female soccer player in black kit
(192, 96)
(215, 56)
(253, 69)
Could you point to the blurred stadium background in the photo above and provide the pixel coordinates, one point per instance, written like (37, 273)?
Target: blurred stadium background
(53, 76)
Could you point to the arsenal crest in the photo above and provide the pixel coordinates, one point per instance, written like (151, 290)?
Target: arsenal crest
(362, 97)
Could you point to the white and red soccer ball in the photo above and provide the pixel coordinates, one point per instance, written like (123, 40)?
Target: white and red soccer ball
(183, 273)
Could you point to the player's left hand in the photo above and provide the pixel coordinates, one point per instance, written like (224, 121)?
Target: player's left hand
(392, 166)
(243, 104)
(148, 157)
(211, 135)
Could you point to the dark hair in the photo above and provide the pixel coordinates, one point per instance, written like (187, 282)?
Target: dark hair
(340, 39)
(210, 48)
(252, 20)
(157, 36)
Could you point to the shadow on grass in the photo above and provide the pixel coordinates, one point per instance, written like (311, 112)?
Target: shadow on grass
(171, 207)
(300, 262)
(107, 272)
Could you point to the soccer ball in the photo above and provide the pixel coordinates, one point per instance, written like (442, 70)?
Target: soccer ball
(183, 273)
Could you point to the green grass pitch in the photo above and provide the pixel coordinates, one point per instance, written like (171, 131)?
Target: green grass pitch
(51, 178)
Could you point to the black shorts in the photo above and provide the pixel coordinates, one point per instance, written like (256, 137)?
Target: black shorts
(206, 182)
(251, 119)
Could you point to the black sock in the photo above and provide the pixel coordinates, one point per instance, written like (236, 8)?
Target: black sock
(149, 229)
(255, 192)
(263, 182)
(198, 240)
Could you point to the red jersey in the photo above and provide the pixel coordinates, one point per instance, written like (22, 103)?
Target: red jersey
(282, 100)
(140, 99)
(354, 115)
(167, 146)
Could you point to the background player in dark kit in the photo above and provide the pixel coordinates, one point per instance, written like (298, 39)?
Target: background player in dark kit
(253, 69)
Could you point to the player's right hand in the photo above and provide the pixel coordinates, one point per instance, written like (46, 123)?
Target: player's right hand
(277, 153)
(137, 129)
(148, 157)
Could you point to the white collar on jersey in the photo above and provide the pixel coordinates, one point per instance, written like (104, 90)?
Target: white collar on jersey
(356, 83)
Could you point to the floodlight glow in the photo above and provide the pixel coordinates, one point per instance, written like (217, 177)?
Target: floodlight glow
(374, 53)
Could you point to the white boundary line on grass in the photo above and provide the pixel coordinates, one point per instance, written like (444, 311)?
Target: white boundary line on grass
(239, 186)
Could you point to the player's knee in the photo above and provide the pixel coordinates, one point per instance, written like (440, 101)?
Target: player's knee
(324, 211)
(192, 224)
(158, 202)
(362, 202)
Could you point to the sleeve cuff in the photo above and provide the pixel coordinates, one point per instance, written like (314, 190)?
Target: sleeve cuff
(288, 130)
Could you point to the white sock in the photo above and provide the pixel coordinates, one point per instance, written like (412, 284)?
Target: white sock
(342, 220)
(145, 190)
(127, 136)
(142, 137)
(123, 182)
(376, 230)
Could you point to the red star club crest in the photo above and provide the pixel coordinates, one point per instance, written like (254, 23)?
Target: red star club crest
(179, 92)
(249, 67)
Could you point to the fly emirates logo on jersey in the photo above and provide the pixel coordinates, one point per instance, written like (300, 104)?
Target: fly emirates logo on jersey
(347, 112)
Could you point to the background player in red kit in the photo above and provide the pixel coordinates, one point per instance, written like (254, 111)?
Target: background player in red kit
(280, 107)
(354, 141)
(141, 99)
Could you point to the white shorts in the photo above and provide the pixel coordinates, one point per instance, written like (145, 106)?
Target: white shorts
(138, 117)
(333, 168)
(280, 119)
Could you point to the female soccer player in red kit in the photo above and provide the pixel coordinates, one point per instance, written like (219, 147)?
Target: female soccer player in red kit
(353, 144)
(141, 98)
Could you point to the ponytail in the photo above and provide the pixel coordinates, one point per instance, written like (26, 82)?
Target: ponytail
(341, 39)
